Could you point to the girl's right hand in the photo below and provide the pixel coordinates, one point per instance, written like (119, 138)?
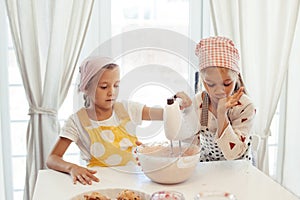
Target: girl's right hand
(230, 101)
(186, 100)
(83, 175)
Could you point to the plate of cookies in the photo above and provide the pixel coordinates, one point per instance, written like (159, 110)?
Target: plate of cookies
(112, 194)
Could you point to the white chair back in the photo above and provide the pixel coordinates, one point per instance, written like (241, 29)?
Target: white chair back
(255, 143)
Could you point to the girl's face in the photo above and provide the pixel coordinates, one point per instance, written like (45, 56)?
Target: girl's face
(107, 89)
(219, 82)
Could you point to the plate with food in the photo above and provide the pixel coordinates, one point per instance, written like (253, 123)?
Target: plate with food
(112, 194)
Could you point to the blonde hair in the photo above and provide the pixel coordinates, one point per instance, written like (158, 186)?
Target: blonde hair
(234, 74)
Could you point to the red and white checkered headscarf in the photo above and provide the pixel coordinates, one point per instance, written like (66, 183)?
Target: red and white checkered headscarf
(217, 52)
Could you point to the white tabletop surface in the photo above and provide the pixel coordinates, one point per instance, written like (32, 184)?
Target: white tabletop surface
(238, 177)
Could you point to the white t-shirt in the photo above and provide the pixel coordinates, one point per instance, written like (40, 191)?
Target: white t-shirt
(74, 131)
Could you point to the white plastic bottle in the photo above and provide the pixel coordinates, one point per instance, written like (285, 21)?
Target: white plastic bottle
(172, 119)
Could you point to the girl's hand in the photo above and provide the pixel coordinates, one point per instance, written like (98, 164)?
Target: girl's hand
(83, 175)
(186, 100)
(138, 143)
(230, 101)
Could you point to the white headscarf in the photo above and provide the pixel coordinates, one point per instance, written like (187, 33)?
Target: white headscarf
(89, 68)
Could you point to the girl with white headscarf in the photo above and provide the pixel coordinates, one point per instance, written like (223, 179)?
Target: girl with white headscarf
(104, 129)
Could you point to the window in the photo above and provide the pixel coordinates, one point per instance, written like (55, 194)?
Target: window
(273, 143)
(18, 109)
(154, 89)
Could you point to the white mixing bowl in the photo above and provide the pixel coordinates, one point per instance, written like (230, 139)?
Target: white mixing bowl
(162, 166)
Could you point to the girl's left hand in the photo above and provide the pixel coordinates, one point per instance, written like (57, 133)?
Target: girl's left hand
(186, 100)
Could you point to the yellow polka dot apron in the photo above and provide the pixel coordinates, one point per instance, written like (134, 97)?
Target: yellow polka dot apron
(110, 145)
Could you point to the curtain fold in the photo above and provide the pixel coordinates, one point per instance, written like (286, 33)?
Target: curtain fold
(6, 192)
(290, 154)
(264, 32)
(48, 37)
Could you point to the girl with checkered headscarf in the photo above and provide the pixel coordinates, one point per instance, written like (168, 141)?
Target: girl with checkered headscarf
(223, 114)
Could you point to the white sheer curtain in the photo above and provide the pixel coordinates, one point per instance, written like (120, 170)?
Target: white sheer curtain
(264, 31)
(5, 142)
(6, 191)
(48, 37)
(289, 174)
(2, 179)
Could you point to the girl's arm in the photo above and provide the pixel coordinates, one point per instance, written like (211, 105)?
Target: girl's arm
(55, 161)
(234, 139)
(150, 113)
